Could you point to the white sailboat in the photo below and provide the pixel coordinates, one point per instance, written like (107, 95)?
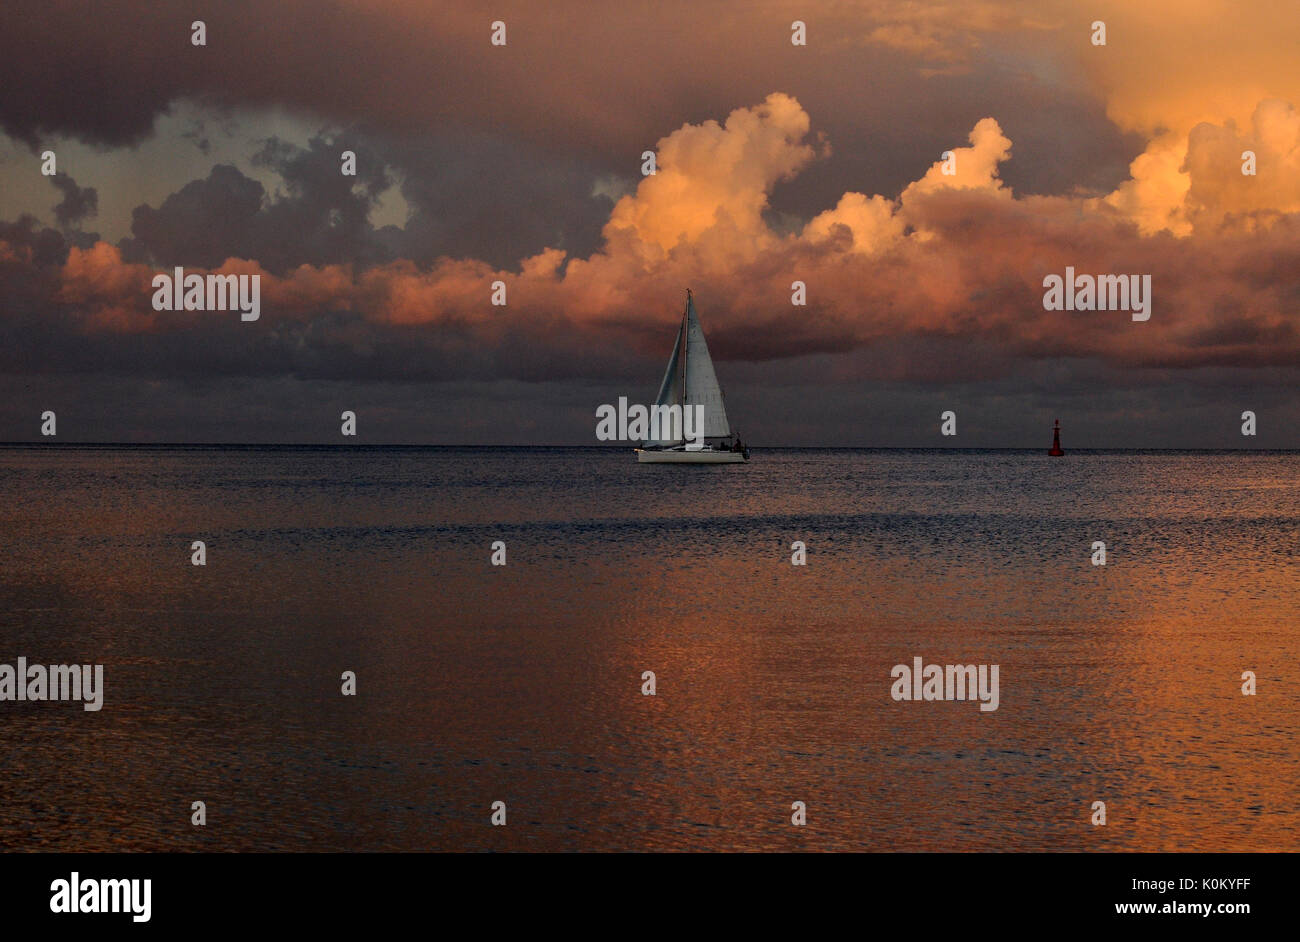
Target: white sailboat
(689, 381)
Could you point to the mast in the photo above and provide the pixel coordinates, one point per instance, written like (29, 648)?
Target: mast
(686, 340)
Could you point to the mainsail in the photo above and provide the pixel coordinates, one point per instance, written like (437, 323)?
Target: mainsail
(690, 379)
(701, 382)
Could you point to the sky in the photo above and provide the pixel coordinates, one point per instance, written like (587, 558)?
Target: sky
(522, 163)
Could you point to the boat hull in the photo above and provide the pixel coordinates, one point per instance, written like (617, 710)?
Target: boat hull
(653, 456)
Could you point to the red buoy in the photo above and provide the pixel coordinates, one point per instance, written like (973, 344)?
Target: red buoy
(1056, 441)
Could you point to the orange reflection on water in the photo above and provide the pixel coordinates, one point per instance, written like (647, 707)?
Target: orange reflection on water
(477, 683)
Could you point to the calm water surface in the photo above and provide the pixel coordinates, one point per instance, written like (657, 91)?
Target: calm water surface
(522, 683)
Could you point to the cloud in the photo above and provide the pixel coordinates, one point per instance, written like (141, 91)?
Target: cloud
(874, 223)
(78, 203)
(596, 90)
(321, 217)
(947, 32)
(973, 168)
(1218, 190)
(520, 164)
(1185, 76)
(1154, 194)
(488, 196)
(1194, 181)
(869, 223)
(201, 224)
(951, 259)
(715, 178)
(1169, 65)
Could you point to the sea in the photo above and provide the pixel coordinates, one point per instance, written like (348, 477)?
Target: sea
(648, 670)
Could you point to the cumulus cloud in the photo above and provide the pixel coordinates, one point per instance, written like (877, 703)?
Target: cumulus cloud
(1169, 65)
(956, 258)
(973, 168)
(1194, 181)
(519, 164)
(1218, 190)
(873, 223)
(868, 223)
(715, 178)
(1186, 77)
(78, 203)
(321, 217)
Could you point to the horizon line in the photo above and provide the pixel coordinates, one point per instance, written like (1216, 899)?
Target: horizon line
(619, 447)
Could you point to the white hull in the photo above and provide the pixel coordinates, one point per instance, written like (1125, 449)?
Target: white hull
(652, 456)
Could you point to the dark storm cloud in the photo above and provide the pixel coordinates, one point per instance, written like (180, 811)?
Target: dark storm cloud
(918, 290)
(963, 304)
(592, 85)
(469, 195)
(484, 196)
(77, 204)
(320, 219)
(959, 259)
(34, 249)
(204, 223)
